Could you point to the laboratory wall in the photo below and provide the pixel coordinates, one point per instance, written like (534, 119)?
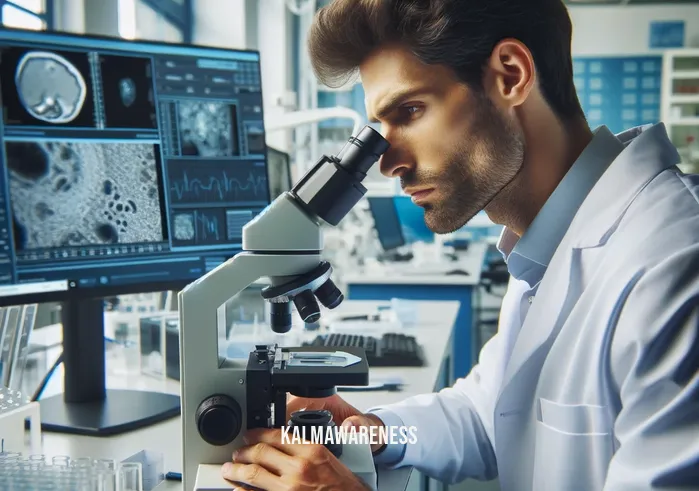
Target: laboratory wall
(220, 23)
(625, 30)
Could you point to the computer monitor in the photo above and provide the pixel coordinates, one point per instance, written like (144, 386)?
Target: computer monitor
(127, 167)
(279, 172)
(412, 221)
(386, 222)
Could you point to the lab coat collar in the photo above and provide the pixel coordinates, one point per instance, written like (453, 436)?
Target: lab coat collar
(528, 257)
(648, 152)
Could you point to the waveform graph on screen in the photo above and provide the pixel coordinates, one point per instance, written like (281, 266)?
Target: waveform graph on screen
(209, 226)
(217, 183)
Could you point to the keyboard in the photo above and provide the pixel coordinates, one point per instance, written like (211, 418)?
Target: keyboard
(391, 350)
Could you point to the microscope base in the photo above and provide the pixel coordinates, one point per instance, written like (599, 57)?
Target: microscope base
(357, 458)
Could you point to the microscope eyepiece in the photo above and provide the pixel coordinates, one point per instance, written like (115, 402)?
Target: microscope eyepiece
(334, 186)
(362, 151)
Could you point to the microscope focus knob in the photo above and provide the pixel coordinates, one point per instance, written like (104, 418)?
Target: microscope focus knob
(219, 419)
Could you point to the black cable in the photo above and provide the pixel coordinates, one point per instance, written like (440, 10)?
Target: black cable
(47, 377)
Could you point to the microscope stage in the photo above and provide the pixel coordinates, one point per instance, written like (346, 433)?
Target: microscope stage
(341, 366)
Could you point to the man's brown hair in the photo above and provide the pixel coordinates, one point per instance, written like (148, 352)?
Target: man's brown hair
(459, 34)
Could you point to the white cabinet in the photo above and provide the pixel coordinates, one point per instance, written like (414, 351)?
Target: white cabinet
(680, 103)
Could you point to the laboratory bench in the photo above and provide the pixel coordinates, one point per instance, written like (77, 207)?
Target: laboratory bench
(406, 282)
(433, 329)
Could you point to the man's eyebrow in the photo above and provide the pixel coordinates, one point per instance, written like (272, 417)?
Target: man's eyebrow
(389, 103)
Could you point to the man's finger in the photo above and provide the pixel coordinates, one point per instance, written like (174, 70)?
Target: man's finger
(252, 475)
(267, 456)
(286, 445)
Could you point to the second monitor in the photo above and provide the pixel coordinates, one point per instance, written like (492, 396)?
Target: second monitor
(279, 172)
(398, 222)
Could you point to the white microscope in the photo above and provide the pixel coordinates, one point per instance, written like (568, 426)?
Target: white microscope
(223, 397)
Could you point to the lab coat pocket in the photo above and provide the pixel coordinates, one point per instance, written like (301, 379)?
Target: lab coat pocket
(574, 444)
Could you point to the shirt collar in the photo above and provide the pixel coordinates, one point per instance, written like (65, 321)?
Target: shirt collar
(528, 257)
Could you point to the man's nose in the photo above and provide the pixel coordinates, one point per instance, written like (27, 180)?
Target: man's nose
(394, 163)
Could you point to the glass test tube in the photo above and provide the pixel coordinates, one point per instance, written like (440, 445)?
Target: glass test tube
(61, 461)
(129, 477)
(82, 462)
(106, 474)
(37, 459)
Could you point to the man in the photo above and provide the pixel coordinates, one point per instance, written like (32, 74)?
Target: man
(591, 382)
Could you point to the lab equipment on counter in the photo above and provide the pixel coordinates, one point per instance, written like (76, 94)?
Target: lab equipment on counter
(392, 349)
(16, 326)
(222, 397)
(38, 472)
(146, 467)
(159, 345)
(15, 409)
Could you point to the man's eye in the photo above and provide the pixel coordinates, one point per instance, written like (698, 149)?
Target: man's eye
(411, 111)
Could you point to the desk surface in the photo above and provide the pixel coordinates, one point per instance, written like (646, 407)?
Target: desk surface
(470, 261)
(433, 331)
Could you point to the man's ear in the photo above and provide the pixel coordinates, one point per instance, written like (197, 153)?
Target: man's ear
(510, 73)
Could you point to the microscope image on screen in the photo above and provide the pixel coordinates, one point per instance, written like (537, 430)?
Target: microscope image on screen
(84, 193)
(127, 87)
(208, 128)
(46, 88)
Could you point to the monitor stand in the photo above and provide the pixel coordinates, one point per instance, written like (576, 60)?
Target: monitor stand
(86, 407)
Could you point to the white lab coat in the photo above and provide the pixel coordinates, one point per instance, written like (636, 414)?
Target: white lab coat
(598, 389)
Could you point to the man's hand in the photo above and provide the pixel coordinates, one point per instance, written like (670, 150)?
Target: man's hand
(343, 413)
(270, 464)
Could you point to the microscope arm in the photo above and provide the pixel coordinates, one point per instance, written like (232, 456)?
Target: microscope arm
(282, 244)
(203, 305)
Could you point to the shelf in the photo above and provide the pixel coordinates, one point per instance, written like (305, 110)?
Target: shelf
(684, 99)
(683, 122)
(682, 53)
(685, 74)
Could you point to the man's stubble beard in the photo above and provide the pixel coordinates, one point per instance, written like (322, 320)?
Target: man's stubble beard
(484, 165)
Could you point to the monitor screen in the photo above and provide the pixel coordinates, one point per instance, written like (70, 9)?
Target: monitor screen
(412, 221)
(386, 223)
(125, 166)
(279, 170)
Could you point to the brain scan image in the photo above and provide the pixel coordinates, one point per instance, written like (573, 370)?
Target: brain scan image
(50, 87)
(208, 129)
(77, 194)
(127, 90)
(128, 93)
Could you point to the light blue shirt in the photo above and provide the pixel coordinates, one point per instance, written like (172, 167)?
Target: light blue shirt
(528, 257)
